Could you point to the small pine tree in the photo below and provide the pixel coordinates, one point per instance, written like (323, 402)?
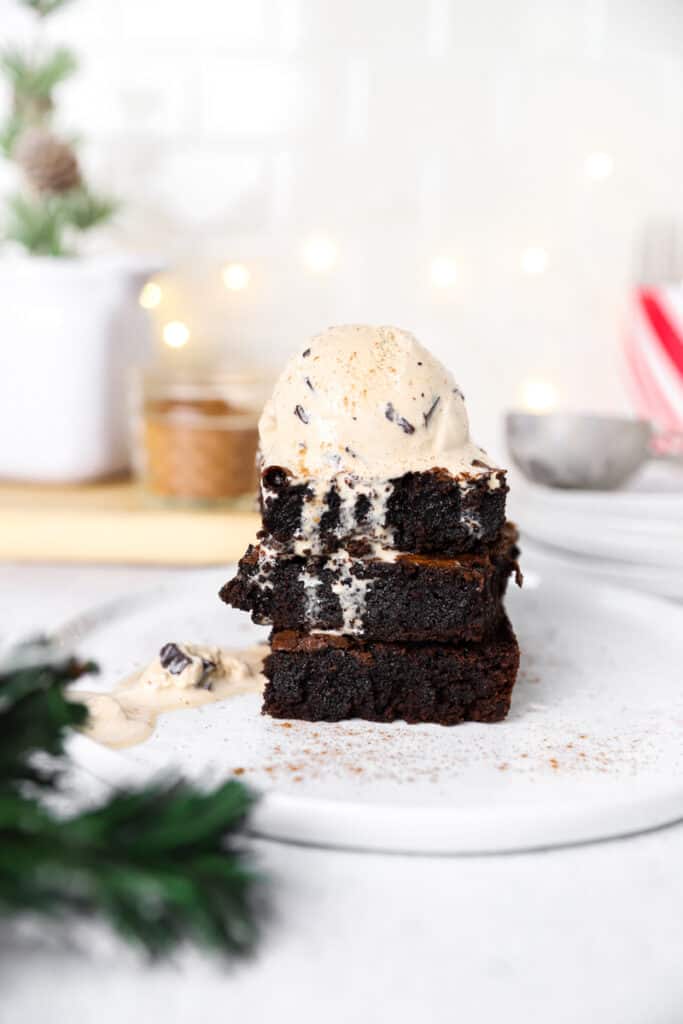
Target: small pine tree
(55, 203)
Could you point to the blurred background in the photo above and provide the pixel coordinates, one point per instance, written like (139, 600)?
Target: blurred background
(495, 177)
(479, 173)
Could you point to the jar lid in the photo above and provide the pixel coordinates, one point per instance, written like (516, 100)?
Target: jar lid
(241, 389)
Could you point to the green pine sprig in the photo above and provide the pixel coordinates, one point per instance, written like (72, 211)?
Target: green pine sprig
(82, 209)
(35, 78)
(36, 224)
(43, 8)
(10, 132)
(44, 225)
(35, 715)
(41, 224)
(32, 81)
(162, 865)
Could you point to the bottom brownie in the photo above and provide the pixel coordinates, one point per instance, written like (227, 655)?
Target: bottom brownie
(331, 678)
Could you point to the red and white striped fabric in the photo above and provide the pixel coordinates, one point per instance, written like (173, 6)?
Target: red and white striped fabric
(654, 356)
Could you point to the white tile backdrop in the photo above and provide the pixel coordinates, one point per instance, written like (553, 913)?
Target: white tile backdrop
(402, 132)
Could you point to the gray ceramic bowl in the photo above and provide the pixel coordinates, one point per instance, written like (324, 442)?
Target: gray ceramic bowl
(573, 450)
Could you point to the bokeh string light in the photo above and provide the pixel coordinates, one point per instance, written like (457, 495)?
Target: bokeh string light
(176, 334)
(151, 295)
(534, 260)
(598, 166)
(539, 395)
(444, 272)
(320, 254)
(236, 277)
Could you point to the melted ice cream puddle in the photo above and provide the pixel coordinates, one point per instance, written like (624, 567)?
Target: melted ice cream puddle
(181, 676)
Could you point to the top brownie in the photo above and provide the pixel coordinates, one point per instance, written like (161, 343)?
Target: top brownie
(419, 512)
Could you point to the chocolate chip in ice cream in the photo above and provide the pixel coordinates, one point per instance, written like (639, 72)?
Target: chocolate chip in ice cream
(174, 659)
(400, 421)
(301, 413)
(426, 416)
(208, 667)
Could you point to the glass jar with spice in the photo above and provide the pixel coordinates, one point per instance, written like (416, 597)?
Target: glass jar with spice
(195, 435)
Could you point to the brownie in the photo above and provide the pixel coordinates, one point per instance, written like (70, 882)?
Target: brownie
(414, 598)
(426, 513)
(332, 678)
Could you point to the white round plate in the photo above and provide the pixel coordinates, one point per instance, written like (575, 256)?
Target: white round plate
(645, 529)
(592, 748)
(659, 580)
(605, 540)
(665, 506)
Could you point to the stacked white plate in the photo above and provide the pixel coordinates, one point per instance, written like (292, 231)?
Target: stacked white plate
(632, 537)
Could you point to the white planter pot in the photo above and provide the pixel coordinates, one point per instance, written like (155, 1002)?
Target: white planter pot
(70, 330)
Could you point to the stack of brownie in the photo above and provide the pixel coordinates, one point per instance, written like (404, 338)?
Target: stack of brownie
(384, 608)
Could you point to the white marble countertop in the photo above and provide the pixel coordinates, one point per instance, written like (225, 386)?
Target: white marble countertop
(587, 933)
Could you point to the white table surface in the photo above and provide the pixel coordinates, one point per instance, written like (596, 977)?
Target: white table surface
(590, 933)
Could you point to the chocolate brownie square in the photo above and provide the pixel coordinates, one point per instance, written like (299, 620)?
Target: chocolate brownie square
(426, 512)
(397, 597)
(333, 678)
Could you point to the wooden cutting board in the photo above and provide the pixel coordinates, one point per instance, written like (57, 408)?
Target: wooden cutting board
(116, 522)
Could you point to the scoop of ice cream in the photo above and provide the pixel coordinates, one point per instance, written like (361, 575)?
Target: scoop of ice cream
(369, 401)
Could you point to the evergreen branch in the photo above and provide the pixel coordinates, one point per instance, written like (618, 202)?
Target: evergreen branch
(10, 132)
(37, 224)
(84, 210)
(160, 865)
(34, 713)
(36, 78)
(43, 8)
(48, 223)
(40, 223)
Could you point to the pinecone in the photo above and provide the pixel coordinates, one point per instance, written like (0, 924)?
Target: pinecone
(50, 165)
